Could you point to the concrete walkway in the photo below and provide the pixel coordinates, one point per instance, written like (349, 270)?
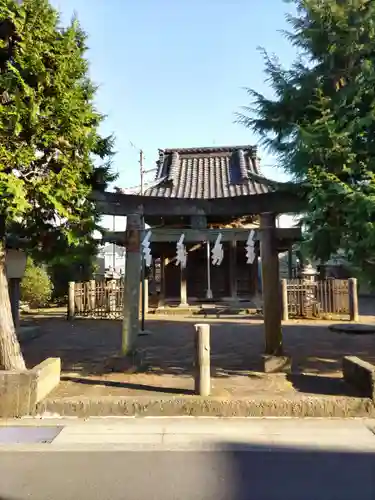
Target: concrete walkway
(187, 459)
(189, 433)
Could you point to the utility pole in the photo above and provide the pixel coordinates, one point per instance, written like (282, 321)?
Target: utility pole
(142, 172)
(143, 296)
(143, 270)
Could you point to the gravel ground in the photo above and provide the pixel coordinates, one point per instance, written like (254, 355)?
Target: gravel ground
(86, 346)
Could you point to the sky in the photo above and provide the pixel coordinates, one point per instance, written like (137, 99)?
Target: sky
(172, 73)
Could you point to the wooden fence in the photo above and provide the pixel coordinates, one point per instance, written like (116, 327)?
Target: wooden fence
(99, 299)
(300, 299)
(319, 299)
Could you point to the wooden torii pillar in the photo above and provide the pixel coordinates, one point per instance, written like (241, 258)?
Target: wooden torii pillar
(130, 324)
(274, 361)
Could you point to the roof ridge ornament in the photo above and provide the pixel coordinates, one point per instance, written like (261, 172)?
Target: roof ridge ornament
(174, 166)
(242, 165)
(160, 164)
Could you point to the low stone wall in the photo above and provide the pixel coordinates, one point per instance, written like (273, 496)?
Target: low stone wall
(16, 389)
(20, 392)
(194, 406)
(46, 376)
(360, 374)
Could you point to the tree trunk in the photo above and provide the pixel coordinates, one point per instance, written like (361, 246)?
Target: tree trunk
(10, 352)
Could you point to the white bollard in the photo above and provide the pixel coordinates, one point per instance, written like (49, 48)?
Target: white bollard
(202, 375)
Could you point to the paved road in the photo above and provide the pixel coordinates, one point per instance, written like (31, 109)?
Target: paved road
(221, 460)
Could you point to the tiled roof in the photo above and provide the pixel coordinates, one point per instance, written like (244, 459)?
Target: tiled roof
(208, 173)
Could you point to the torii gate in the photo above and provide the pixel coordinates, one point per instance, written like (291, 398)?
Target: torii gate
(272, 240)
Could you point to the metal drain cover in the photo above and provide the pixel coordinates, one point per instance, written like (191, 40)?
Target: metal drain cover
(18, 434)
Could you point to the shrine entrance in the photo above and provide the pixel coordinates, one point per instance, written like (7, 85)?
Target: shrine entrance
(232, 280)
(213, 201)
(268, 238)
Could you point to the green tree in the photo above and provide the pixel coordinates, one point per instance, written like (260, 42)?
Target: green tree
(321, 122)
(51, 152)
(36, 286)
(77, 264)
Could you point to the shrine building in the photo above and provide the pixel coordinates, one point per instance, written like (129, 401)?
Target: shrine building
(211, 173)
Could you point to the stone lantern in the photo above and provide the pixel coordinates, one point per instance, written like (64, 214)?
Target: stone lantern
(309, 273)
(15, 265)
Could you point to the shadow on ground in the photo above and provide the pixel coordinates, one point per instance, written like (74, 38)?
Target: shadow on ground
(126, 385)
(323, 385)
(367, 305)
(222, 312)
(233, 471)
(299, 472)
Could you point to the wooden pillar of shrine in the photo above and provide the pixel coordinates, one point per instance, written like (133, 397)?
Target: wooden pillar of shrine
(254, 285)
(183, 287)
(161, 301)
(290, 263)
(271, 286)
(233, 269)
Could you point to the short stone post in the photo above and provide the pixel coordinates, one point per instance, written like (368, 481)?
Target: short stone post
(284, 298)
(202, 376)
(71, 304)
(353, 299)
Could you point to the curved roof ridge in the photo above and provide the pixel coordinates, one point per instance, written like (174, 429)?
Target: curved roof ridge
(209, 172)
(210, 149)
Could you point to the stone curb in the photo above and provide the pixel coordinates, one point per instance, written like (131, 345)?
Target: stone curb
(21, 391)
(195, 406)
(360, 374)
